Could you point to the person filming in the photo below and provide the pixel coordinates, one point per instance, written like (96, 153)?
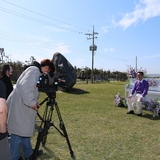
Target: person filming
(23, 106)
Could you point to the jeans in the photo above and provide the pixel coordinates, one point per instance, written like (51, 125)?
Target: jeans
(15, 143)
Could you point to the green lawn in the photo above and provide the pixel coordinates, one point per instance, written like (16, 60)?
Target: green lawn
(97, 129)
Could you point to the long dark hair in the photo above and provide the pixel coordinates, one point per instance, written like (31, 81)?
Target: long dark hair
(5, 68)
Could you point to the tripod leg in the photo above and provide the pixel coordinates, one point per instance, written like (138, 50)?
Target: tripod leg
(46, 128)
(47, 121)
(43, 130)
(40, 136)
(62, 126)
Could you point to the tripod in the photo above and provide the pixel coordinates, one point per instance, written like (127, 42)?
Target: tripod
(46, 123)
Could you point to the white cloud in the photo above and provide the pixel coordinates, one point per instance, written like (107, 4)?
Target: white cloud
(105, 29)
(62, 48)
(60, 28)
(143, 11)
(49, 46)
(67, 26)
(152, 56)
(55, 29)
(109, 50)
(38, 46)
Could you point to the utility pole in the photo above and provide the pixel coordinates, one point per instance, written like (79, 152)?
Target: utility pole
(136, 63)
(92, 48)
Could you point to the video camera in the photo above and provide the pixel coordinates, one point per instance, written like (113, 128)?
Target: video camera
(49, 83)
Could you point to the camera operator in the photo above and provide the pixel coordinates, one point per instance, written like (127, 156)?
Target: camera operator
(23, 106)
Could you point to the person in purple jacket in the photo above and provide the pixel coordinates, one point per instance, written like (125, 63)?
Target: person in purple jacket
(137, 95)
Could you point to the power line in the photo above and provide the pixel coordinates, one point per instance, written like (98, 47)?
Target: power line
(15, 37)
(43, 15)
(23, 40)
(34, 19)
(26, 40)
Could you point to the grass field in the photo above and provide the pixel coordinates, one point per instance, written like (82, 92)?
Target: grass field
(97, 129)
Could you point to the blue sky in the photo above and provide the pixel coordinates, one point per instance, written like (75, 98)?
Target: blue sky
(126, 29)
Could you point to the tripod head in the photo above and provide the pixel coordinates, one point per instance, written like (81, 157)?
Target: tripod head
(51, 98)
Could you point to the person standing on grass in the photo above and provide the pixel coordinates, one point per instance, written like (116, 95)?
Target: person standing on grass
(138, 93)
(23, 106)
(7, 72)
(4, 143)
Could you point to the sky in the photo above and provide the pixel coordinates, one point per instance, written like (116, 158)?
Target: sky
(126, 32)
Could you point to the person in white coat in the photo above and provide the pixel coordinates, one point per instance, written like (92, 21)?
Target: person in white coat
(23, 106)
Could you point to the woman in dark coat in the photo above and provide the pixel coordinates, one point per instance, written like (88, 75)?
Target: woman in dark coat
(6, 74)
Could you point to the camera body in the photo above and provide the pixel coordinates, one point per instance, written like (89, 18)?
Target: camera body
(48, 83)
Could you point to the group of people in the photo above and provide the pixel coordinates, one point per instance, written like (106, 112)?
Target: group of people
(18, 110)
(19, 106)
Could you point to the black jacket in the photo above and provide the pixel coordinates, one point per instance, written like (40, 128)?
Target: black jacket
(9, 87)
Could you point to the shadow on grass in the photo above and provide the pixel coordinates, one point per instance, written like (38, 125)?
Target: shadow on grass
(148, 116)
(121, 106)
(144, 115)
(48, 155)
(77, 91)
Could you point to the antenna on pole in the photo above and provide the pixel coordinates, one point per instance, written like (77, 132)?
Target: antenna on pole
(92, 48)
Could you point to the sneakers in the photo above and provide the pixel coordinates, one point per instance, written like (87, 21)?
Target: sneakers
(130, 112)
(139, 114)
(39, 153)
